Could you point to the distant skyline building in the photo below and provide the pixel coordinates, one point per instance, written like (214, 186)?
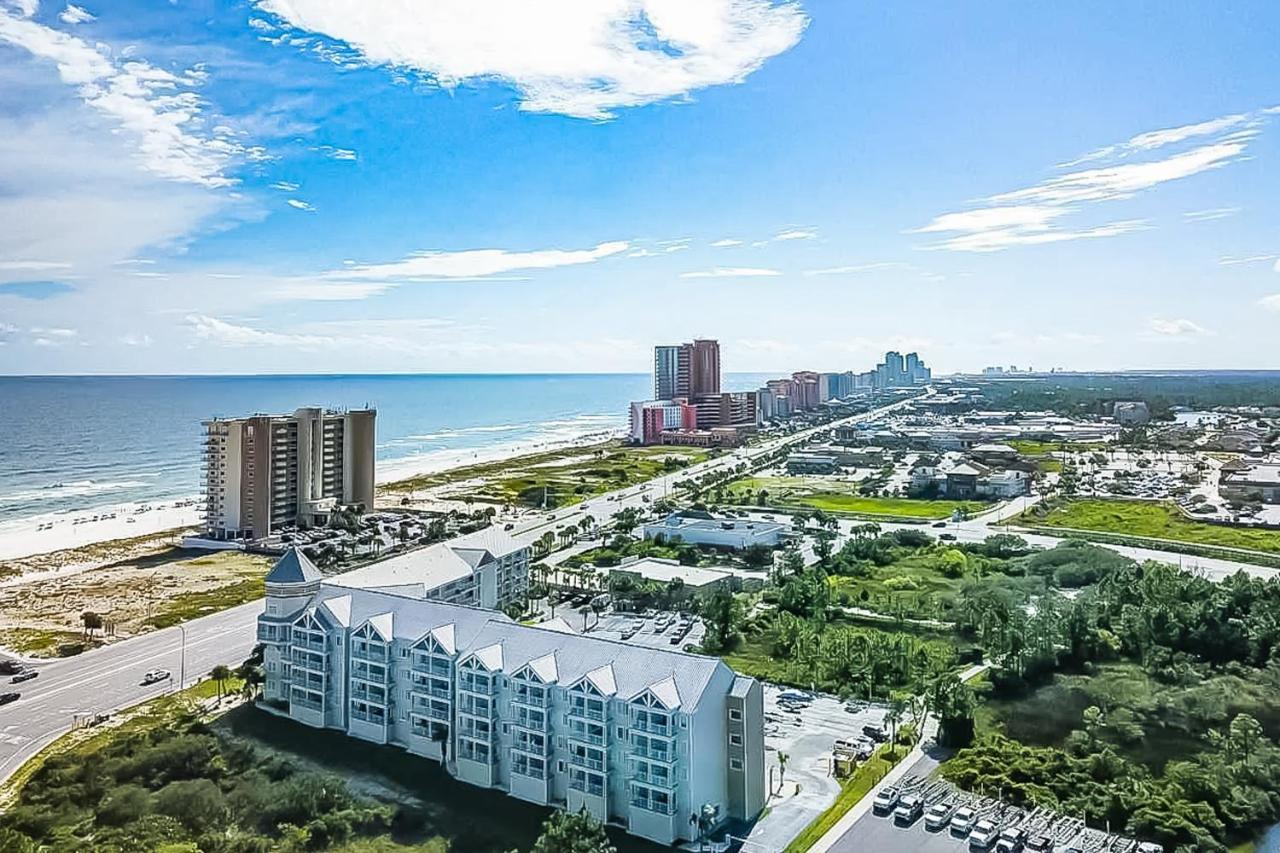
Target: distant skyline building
(266, 472)
(669, 380)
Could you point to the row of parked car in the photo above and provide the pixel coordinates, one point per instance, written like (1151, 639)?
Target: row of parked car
(1006, 833)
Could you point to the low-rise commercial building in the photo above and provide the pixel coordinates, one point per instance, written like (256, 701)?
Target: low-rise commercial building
(1131, 413)
(1260, 481)
(639, 737)
(695, 579)
(700, 528)
(812, 463)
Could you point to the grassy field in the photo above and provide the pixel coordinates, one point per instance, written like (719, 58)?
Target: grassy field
(830, 495)
(1035, 448)
(192, 605)
(41, 642)
(1155, 520)
(852, 790)
(564, 476)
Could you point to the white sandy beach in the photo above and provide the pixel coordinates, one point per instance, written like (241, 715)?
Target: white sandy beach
(56, 531)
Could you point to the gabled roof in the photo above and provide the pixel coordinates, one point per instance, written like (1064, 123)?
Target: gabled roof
(665, 691)
(293, 567)
(490, 656)
(545, 668)
(602, 679)
(339, 609)
(383, 623)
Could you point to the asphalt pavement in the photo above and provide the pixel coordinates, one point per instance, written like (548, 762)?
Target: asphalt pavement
(109, 679)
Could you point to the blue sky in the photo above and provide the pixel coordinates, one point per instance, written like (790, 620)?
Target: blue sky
(555, 185)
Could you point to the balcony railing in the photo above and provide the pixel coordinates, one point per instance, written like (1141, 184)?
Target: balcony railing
(595, 789)
(580, 760)
(666, 756)
(529, 772)
(654, 779)
(298, 702)
(533, 700)
(586, 713)
(586, 736)
(650, 806)
(651, 728)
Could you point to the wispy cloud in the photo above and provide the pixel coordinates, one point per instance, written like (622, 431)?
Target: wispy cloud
(1033, 215)
(859, 268)
(286, 186)
(578, 59)
(159, 108)
(33, 266)
(136, 340)
(299, 204)
(476, 263)
(725, 243)
(338, 153)
(1271, 303)
(1233, 260)
(228, 334)
(795, 234)
(73, 15)
(732, 272)
(1210, 214)
(1181, 328)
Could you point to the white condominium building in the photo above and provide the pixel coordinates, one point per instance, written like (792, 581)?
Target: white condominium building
(642, 738)
(265, 472)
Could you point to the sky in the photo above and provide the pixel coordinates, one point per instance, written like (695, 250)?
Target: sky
(285, 186)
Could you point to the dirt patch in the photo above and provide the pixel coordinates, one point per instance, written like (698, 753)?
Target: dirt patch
(133, 585)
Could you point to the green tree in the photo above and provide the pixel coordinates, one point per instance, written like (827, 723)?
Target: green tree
(566, 832)
(221, 674)
(722, 614)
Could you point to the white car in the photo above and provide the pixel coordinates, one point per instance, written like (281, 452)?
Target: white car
(885, 801)
(155, 675)
(962, 821)
(983, 835)
(937, 816)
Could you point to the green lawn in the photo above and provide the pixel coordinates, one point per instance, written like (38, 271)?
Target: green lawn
(851, 791)
(193, 605)
(831, 495)
(564, 477)
(1153, 519)
(1034, 448)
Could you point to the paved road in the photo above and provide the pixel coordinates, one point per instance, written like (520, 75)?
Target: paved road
(108, 679)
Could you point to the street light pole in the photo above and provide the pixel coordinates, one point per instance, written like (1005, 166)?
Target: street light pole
(182, 668)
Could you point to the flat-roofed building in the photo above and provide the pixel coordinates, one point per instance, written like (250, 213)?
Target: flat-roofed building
(267, 472)
(639, 737)
(802, 462)
(701, 528)
(1259, 479)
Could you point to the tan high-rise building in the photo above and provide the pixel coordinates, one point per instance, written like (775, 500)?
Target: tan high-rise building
(704, 368)
(266, 472)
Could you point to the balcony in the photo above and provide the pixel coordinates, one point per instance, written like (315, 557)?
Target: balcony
(531, 698)
(649, 753)
(657, 780)
(583, 712)
(584, 760)
(667, 808)
(650, 727)
(306, 660)
(585, 735)
(586, 786)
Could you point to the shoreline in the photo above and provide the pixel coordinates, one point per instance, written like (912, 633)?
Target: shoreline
(24, 537)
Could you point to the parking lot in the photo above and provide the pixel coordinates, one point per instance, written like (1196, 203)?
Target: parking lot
(1055, 833)
(806, 735)
(658, 630)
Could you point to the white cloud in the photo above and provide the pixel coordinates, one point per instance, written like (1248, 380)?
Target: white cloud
(1230, 260)
(337, 153)
(1271, 303)
(726, 243)
(731, 272)
(25, 8)
(1176, 328)
(299, 204)
(1276, 266)
(1033, 215)
(236, 335)
(158, 108)
(795, 234)
(285, 186)
(73, 15)
(476, 263)
(1154, 139)
(583, 58)
(857, 268)
(326, 291)
(33, 266)
(1210, 214)
(134, 340)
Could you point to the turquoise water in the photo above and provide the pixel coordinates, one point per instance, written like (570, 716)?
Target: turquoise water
(76, 443)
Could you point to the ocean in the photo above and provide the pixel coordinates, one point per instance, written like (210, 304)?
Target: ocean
(76, 444)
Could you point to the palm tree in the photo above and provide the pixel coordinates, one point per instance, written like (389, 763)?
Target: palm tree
(897, 708)
(783, 758)
(220, 673)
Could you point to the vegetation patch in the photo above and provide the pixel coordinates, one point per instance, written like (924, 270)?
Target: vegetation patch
(192, 605)
(834, 495)
(1152, 519)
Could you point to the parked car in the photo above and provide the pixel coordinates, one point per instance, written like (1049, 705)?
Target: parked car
(983, 836)
(949, 537)
(937, 816)
(1011, 840)
(10, 667)
(909, 809)
(24, 676)
(510, 525)
(1150, 847)
(6, 698)
(885, 801)
(876, 733)
(962, 821)
(1039, 844)
(939, 524)
(154, 675)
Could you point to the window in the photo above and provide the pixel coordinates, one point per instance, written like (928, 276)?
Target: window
(735, 764)
(735, 714)
(735, 739)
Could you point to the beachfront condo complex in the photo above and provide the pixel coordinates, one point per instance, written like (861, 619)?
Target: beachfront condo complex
(263, 473)
(642, 738)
